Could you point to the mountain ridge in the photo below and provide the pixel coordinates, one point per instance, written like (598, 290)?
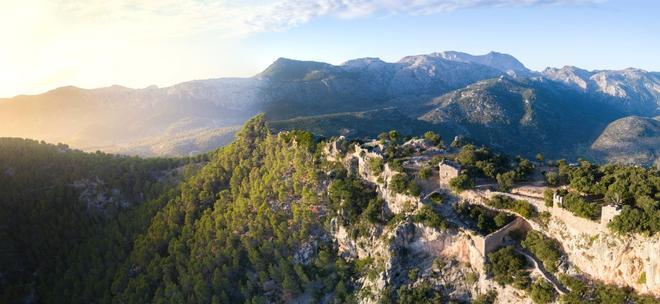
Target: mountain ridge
(288, 88)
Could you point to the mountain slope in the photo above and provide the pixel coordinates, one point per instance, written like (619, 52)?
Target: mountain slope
(503, 62)
(366, 124)
(634, 91)
(522, 116)
(56, 203)
(197, 116)
(629, 140)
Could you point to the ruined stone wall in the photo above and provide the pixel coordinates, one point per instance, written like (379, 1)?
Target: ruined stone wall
(396, 202)
(497, 238)
(446, 173)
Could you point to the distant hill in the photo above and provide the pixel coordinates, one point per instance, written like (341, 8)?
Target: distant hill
(523, 116)
(631, 140)
(367, 124)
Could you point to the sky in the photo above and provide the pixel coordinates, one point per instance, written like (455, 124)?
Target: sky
(90, 43)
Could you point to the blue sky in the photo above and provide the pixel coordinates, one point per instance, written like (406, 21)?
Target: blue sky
(90, 43)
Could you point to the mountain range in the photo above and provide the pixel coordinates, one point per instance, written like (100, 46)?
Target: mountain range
(492, 99)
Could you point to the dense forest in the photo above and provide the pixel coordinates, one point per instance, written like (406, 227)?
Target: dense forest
(54, 199)
(228, 233)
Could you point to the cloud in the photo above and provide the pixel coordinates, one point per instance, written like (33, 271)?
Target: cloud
(239, 18)
(92, 42)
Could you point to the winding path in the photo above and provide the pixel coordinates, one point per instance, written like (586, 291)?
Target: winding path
(544, 273)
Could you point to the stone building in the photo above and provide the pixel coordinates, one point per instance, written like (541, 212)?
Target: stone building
(447, 171)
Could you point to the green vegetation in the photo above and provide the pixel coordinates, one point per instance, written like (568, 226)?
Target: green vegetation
(461, 182)
(539, 157)
(508, 267)
(548, 195)
(426, 172)
(544, 248)
(506, 180)
(594, 292)
(486, 298)
(636, 189)
(433, 138)
(357, 205)
(421, 294)
(395, 165)
(231, 232)
(481, 161)
(542, 292)
(436, 198)
(375, 165)
(430, 218)
(552, 178)
(50, 228)
(404, 184)
(521, 207)
(579, 206)
(482, 219)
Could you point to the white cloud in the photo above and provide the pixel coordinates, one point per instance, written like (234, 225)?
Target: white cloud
(92, 42)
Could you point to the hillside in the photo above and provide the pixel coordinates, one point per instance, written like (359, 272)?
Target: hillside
(57, 203)
(367, 124)
(631, 140)
(522, 116)
(282, 217)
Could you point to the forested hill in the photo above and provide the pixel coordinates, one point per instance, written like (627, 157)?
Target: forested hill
(56, 203)
(228, 233)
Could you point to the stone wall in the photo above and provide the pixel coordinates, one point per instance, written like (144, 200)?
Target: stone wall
(497, 238)
(446, 172)
(613, 259)
(396, 202)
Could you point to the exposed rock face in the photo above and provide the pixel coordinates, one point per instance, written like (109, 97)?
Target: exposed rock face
(98, 197)
(449, 260)
(630, 140)
(503, 62)
(619, 260)
(634, 90)
(591, 248)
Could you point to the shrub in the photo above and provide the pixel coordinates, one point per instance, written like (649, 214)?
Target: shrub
(539, 157)
(430, 218)
(524, 208)
(398, 183)
(552, 178)
(436, 198)
(542, 292)
(486, 298)
(505, 180)
(375, 165)
(374, 210)
(413, 188)
(507, 266)
(426, 172)
(580, 207)
(461, 182)
(395, 165)
(545, 249)
(432, 137)
(484, 220)
(420, 294)
(547, 197)
(635, 220)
